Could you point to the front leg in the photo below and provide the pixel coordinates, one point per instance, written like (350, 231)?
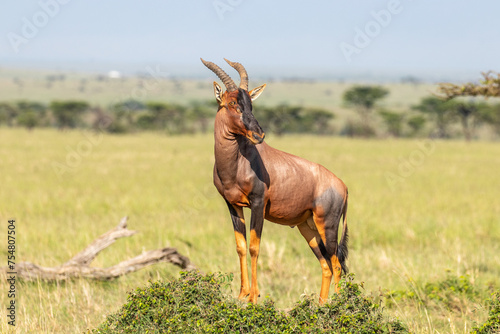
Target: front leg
(256, 225)
(241, 246)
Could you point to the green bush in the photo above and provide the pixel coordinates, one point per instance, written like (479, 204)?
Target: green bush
(492, 324)
(351, 311)
(28, 119)
(196, 303)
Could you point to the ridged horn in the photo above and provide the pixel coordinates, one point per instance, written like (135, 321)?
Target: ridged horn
(243, 73)
(226, 79)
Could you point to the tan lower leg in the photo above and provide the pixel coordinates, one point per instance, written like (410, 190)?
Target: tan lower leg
(254, 253)
(326, 280)
(337, 272)
(241, 248)
(313, 238)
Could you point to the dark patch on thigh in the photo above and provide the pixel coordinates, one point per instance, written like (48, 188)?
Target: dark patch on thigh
(329, 203)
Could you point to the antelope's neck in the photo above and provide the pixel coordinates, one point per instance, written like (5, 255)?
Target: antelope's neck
(227, 154)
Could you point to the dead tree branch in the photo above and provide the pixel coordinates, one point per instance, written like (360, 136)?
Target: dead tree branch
(79, 265)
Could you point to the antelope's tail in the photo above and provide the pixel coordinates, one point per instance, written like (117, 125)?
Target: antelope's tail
(342, 250)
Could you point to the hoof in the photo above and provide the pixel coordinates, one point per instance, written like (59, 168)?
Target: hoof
(243, 295)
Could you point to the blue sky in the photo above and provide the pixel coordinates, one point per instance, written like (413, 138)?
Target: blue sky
(455, 39)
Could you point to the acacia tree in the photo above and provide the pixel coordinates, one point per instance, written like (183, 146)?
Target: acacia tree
(8, 113)
(491, 114)
(393, 122)
(31, 114)
(171, 117)
(416, 124)
(68, 113)
(364, 98)
(201, 113)
(489, 86)
(469, 114)
(440, 111)
(124, 111)
(315, 120)
(280, 119)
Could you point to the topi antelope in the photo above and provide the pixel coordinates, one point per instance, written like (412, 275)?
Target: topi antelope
(275, 185)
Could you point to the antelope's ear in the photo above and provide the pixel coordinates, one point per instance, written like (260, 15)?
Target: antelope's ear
(255, 93)
(217, 92)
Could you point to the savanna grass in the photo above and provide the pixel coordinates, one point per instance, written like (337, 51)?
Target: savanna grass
(413, 217)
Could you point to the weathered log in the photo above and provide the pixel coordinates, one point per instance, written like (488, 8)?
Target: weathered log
(79, 265)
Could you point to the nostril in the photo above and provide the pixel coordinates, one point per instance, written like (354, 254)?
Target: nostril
(258, 137)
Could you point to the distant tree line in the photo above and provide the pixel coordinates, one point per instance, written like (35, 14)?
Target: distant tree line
(441, 113)
(432, 116)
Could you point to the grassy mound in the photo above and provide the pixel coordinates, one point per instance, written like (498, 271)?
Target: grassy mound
(196, 303)
(492, 325)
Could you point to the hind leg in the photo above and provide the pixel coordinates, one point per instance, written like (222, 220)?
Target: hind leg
(314, 240)
(337, 272)
(327, 223)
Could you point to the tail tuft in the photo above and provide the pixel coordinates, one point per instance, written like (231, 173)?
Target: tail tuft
(342, 250)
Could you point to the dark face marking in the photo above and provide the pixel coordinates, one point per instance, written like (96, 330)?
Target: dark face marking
(249, 120)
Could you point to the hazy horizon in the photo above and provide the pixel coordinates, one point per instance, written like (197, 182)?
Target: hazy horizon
(449, 40)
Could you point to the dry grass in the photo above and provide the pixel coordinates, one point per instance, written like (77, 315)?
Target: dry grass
(439, 216)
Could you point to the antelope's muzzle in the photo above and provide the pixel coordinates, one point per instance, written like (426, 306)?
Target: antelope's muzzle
(255, 138)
